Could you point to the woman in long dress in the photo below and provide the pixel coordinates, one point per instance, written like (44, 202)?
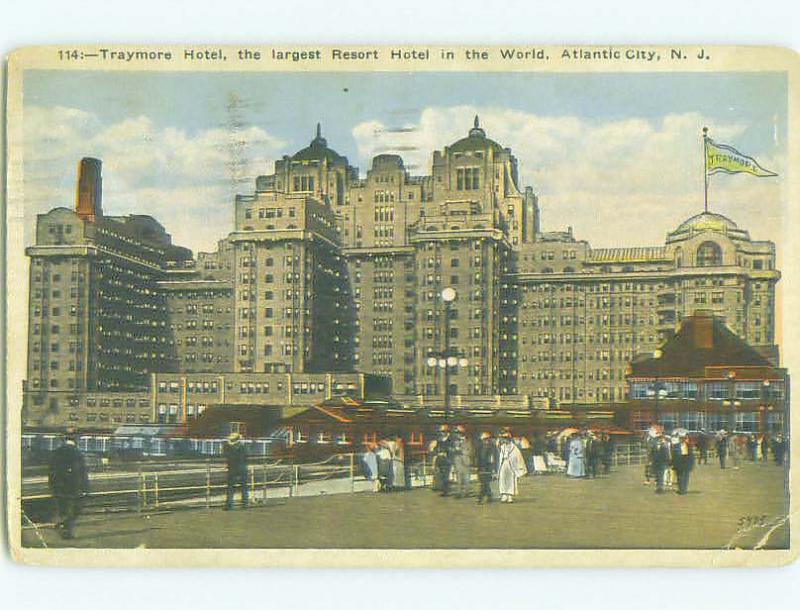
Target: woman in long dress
(577, 458)
(510, 467)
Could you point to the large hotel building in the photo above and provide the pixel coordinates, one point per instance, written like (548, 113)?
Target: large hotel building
(331, 282)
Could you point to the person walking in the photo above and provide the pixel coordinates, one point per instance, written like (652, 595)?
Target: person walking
(779, 449)
(702, 446)
(576, 467)
(722, 449)
(594, 452)
(661, 462)
(235, 454)
(764, 447)
(487, 466)
(510, 467)
(68, 479)
(683, 463)
(439, 449)
(460, 456)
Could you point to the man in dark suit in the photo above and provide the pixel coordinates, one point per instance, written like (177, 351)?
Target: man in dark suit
(440, 450)
(487, 466)
(661, 462)
(722, 449)
(683, 463)
(702, 445)
(235, 454)
(69, 483)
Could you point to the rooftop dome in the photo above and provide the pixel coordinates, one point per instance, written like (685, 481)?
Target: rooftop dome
(318, 150)
(707, 221)
(476, 140)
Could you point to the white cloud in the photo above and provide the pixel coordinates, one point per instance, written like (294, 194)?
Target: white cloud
(185, 180)
(617, 182)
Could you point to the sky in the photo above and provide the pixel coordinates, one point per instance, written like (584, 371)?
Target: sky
(616, 157)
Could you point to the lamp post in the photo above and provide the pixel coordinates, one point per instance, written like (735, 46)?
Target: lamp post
(762, 424)
(732, 414)
(448, 296)
(444, 359)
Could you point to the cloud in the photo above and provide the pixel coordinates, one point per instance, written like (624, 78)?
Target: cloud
(185, 180)
(617, 182)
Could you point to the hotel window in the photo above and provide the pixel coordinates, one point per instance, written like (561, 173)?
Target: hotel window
(709, 254)
(467, 178)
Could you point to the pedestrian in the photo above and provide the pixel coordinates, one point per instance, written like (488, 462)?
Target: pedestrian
(69, 483)
(487, 466)
(510, 467)
(439, 449)
(235, 454)
(752, 447)
(608, 453)
(764, 447)
(594, 452)
(460, 456)
(778, 449)
(369, 462)
(702, 445)
(576, 466)
(384, 457)
(722, 448)
(661, 462)
(683, 463)
(397, 475)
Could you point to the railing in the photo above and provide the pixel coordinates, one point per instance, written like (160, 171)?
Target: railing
(206, 483)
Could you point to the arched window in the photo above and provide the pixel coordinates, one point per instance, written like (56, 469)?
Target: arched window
(709, 254)
(678, 257)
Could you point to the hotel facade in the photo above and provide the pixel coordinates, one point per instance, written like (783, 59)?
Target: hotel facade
(334, 280)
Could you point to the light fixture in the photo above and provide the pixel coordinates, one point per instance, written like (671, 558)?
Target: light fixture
(452, 361)
(432, 361)
(463, 362)
(448, 295)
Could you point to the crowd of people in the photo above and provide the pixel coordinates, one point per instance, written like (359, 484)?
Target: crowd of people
(671, 458)
(500, 461)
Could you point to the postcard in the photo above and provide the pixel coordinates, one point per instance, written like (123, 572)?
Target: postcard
(427, 306)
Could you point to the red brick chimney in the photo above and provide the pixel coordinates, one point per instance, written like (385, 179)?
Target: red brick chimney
(703, 329)
(89, 195)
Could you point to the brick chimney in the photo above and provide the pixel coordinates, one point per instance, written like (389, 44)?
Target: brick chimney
(89, 195)
(703, 329)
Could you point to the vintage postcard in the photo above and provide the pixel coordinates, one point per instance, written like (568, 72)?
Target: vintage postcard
(427, 305)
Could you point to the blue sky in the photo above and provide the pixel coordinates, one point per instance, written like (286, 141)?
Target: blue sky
(590, 143)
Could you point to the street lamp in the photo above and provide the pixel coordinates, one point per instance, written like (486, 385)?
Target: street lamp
(448, 296)
(732, 414)
(444, 360)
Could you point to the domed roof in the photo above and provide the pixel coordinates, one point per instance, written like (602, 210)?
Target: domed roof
(476, 140)
(318, 150)
(707, 221)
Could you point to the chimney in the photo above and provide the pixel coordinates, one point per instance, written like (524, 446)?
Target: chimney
(703, 329)
(89, 196)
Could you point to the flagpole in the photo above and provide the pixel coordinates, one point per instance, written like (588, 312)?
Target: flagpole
(705, 167)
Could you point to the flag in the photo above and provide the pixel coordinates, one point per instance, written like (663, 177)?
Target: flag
(721, 158)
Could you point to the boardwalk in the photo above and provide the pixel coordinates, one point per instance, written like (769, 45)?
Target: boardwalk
(551, 512)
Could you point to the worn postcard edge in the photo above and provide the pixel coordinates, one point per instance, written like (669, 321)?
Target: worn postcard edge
(726, 59)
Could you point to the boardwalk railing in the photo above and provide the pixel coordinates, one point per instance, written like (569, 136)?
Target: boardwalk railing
(205, 484)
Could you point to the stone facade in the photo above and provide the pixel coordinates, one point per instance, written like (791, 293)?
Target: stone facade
(330, 272)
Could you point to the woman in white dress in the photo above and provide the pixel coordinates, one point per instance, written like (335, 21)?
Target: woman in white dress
(576, 467)
(510, 467)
